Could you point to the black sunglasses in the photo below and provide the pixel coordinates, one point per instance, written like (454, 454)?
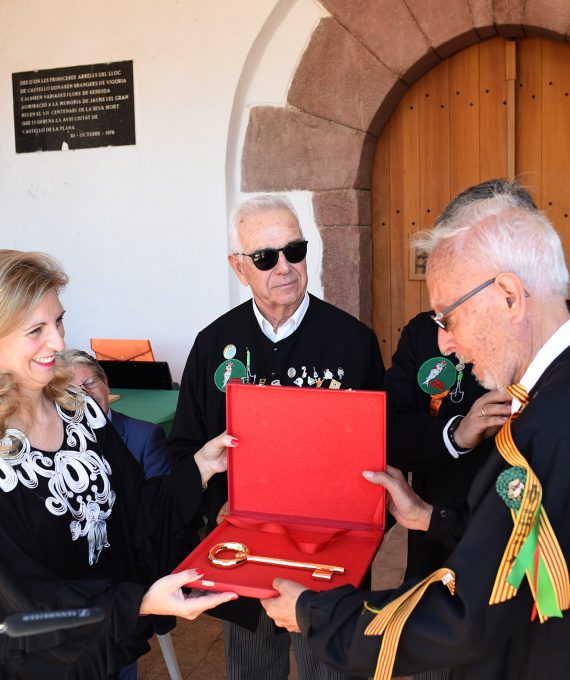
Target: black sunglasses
(267, 258)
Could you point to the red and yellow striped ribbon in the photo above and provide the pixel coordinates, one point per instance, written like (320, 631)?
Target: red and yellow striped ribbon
(530, 512)
(390, 619)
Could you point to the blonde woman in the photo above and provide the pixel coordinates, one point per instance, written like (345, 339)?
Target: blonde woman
(79, 526)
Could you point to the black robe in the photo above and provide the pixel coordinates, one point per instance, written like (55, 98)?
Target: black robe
(415, 437)
(329, 345)
(479, 641)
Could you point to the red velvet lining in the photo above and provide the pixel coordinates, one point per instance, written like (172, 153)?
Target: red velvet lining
(296, 488)
(354, 551)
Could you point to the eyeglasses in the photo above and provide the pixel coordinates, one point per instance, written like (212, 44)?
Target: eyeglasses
(267, 258)
(90, 383)
(439, 318)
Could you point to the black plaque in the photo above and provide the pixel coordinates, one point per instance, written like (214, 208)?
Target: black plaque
(75, 107)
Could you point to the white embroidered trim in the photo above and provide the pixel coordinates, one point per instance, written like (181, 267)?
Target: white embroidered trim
(78, 477)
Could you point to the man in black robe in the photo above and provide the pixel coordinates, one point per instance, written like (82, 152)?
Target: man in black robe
(497, 281)
(283, 336)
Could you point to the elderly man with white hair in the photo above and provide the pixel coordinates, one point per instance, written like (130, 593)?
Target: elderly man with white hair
(284, 336)
(497, 282)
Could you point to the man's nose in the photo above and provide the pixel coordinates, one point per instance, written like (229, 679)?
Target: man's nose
(282, 265)
(445, 342)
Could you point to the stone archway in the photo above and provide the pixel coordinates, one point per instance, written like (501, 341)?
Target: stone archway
(357, 66)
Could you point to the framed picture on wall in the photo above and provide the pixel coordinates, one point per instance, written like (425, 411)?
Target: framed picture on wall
(417, 265)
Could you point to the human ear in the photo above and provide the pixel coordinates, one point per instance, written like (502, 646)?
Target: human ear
(237, 265)
(514, 295)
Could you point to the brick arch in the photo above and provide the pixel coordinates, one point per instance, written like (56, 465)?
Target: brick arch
(356, 68)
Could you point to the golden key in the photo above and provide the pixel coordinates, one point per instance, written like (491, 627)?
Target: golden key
(321, 572)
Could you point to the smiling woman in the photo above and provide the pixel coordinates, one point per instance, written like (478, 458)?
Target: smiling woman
(31, 332)
(78, 524)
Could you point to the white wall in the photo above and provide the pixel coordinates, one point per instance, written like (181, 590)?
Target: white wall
(141, 230)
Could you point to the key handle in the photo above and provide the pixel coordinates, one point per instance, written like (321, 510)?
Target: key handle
(240, 551)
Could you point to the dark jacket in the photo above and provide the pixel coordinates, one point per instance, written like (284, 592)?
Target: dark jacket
(478, 640)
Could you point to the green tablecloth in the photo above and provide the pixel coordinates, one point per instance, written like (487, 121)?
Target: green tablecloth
(156, 406)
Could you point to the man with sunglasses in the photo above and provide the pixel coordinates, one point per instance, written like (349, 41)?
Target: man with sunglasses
(284, 336)
(497, 281)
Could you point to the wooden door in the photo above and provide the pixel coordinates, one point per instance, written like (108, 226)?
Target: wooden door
(496, 109)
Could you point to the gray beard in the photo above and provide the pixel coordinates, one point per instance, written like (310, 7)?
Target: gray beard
(495, 382)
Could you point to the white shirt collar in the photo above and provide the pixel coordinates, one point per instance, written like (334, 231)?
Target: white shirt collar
(551, 349)
(286, 329)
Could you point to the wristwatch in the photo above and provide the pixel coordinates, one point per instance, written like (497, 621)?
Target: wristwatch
(450, 430)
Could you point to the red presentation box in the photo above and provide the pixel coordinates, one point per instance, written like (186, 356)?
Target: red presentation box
(295, 486)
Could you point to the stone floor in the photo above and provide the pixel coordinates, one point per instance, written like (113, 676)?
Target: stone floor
(198, 644)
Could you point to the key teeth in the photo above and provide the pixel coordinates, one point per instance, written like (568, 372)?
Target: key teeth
(322, 575)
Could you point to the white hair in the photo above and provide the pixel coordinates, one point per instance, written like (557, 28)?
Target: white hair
(498, 233)
(252, 206)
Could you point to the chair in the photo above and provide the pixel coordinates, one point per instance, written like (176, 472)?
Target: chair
(111, 349)
(167, 649)
(142, 375)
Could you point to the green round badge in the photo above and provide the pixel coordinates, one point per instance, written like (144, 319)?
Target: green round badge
(510, 486)
(436, 375)
(229, 370)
